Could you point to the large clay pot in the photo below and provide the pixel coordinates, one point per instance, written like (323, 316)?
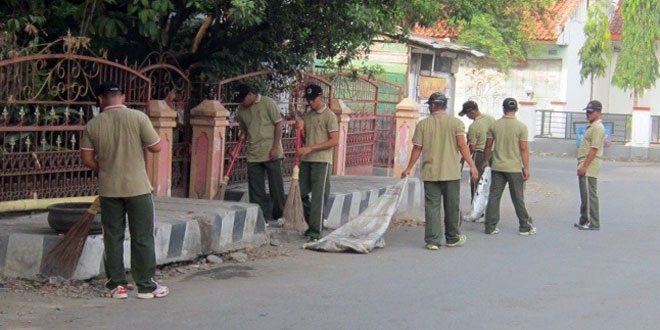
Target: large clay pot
(62, 216)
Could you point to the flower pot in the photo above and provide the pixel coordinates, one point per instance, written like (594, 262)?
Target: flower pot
(62, 216)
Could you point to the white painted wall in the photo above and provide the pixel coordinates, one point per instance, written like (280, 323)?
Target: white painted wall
(615, 100)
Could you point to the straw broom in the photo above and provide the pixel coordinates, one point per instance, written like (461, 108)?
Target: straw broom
(63, 259)
(222, 187)
(294, 218)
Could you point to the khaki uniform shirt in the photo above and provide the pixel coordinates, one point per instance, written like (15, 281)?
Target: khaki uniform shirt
(478, 131)
(507, 134)
(436, 135)
(119, 135)
(259, 120)
(317, 126)
(594, 137)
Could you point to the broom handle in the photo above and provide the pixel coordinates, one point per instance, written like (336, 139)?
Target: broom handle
(296, 160)
(234, 156)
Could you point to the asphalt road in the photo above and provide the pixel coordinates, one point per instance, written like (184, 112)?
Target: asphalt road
(561, 278)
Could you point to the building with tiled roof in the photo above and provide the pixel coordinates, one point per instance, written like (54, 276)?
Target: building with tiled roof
(545, 27)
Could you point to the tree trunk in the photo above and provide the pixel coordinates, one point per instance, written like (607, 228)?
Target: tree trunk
(635, 98)
(591, 89)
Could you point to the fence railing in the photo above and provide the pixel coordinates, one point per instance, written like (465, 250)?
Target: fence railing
(565, 124)
(655, 129)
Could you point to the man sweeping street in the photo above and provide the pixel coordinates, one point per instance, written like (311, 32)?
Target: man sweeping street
(439, 139)
(590, 156)
(510, 164)
(320, 135)
(261, 123)
(476, 136)
(114, 144)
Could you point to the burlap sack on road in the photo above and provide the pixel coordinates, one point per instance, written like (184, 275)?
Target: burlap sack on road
(365, 232)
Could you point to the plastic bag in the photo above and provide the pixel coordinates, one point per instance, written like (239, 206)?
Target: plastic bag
(480, 200)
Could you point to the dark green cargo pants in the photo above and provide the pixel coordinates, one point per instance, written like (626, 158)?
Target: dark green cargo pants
(478, 157)
(314, 179)
(516, 190)
(439, 195)
(140, 211)
(257, 173)
(589, 201)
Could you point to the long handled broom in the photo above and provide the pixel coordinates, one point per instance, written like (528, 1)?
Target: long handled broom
(294, 218)
(63, 258)
(222, 187)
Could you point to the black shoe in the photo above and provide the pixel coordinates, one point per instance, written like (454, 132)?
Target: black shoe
(586, 227)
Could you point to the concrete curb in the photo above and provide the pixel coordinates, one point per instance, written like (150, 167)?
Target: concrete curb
(184, 230)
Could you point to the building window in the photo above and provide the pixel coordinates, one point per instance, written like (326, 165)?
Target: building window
(442, 64)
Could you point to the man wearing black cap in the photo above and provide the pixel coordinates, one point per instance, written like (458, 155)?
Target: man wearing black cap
(441, 137)
(476, 136)
(114, 144)
(260, 120)
(510, 164)
(321, 135)
(589, 158)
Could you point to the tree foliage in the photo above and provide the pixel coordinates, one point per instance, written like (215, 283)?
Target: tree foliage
(637, 66)
(502, 29)
(228, 37)
(596, 52)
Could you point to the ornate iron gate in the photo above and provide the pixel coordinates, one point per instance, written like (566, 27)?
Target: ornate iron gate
(361, 96)
(45, 101)
(389, 95)
(170, 83)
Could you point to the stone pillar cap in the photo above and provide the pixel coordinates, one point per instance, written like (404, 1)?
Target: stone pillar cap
(210, 108)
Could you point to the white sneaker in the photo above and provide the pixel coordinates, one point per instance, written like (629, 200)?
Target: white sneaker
(529, 232)
(461, 241)
(159, 292)
(432, 247)
(280, 222)
(120, 292)
(494, 232)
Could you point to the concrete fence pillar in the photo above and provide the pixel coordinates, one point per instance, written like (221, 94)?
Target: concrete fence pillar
(209, 122)
(343, 114)
(527, 114)
(407, 115)
(558, 105)
(159, 165)
(641, 127)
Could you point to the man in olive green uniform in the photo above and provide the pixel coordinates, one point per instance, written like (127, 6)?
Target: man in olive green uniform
(589, 160)
(114, 144)
(261, 122)
(510, 164)
(440, 138)
(321, 135)
(476, 136)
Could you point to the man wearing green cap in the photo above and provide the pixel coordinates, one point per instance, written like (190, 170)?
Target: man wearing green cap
(114, 144)
(439, 139)
(510, 164)
(589, 157)
(261, 122)
(321, 135)
(476, 136)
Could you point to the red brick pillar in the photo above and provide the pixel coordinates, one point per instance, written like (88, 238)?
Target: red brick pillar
(159, 165)
(407, 114)
(343, 117)
(209, 122)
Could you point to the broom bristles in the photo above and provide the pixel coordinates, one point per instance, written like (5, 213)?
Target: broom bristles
(63, 258)
(294, 218)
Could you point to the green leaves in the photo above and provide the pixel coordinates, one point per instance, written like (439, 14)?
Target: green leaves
(596, 52)
(637, 65)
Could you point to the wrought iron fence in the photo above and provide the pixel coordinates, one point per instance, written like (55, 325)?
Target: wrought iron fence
(564, 124)
(45, 101)
(361, 96)
(389, 95)
(655, 129)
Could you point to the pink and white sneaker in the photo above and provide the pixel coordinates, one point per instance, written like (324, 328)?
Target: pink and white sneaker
(120, 292)
(159, 292)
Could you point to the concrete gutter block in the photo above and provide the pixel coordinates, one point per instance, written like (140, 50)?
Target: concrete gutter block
(227, 231)
(251, 217)
(192, 241)
(90, 264)
(163, 231)
(24, 254)
(637, 153)
(4, 242)
(335, 214)
(355, 204)
(654, 154)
